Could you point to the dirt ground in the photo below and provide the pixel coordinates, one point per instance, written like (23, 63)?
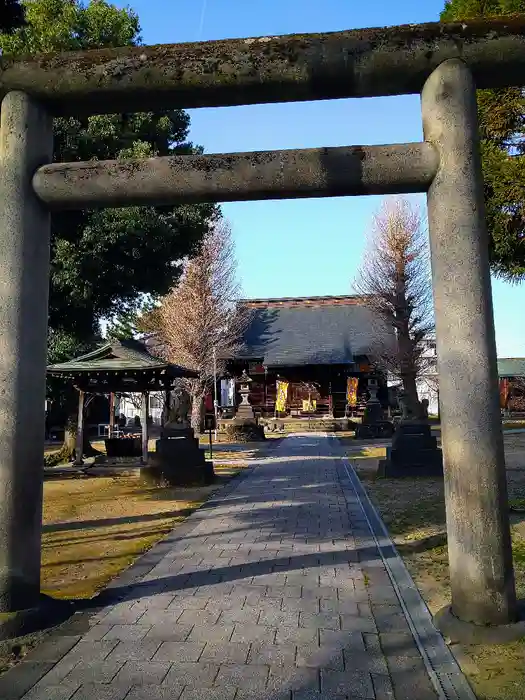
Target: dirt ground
(414, 512)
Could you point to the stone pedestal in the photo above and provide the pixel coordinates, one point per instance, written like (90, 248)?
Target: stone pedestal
(178, 460)
(414, 452)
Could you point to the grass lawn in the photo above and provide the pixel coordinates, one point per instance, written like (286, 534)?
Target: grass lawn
(93, 528)
(417, 526)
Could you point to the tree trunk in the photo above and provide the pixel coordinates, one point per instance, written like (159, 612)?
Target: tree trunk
(67, 452)
(408, 371)
(410, 389)
(197, 410)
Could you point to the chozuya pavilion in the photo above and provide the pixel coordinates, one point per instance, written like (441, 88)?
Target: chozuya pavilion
(120, 366)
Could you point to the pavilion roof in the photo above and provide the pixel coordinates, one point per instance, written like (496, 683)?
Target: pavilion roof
(118, 356)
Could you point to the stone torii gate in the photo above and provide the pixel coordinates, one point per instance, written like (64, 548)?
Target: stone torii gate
(445, 63)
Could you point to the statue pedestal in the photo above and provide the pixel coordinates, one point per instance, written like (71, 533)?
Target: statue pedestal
(414, 452)
(177, 430)
(178, 460)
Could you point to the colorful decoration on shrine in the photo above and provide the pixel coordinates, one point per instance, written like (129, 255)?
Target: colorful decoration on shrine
(504, 387)
(309, 405)
(351, 391)
(282, 395)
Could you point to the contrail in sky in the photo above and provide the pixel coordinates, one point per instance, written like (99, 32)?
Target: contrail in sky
(201, 23)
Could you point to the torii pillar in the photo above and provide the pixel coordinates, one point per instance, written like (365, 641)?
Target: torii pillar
(26, 143)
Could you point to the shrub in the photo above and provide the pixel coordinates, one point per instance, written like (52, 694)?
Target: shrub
(245, 432)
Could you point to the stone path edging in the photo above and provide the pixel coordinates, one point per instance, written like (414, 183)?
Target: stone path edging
(443, 669)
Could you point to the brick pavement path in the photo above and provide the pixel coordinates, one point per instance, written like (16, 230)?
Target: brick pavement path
(275, 591)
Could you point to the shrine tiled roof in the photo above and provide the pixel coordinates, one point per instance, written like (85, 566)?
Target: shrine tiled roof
(316, 331)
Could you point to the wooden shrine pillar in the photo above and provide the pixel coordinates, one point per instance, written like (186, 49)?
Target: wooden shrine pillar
(80, 430)
(144, 421)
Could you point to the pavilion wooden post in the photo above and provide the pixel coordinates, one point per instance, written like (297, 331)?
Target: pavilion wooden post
(265, 389)
(144, 421)
(167, 404)
(111, 414)
(80, 430)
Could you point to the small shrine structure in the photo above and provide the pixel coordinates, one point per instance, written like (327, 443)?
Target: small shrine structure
(120, 366)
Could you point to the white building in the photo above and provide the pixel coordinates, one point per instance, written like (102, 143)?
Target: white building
(129, 406)
(427, 383)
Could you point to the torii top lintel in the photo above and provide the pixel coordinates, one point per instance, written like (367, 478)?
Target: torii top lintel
(356, 63)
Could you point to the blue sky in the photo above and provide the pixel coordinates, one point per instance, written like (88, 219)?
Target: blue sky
(306, 247)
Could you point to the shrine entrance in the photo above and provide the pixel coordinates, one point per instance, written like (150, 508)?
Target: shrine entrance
(444, 63)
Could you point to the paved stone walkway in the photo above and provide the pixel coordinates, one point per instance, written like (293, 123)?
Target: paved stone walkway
(276, 590)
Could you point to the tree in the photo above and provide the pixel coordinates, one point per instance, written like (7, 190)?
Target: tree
(104, 261)
(11, 15)
(62, 346)
(394, 280)
(200, 319)
(502, 131)
(127, 323)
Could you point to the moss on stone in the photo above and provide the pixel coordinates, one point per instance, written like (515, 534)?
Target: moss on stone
(257, 69)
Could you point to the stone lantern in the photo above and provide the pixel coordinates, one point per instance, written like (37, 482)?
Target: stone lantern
(244, 409)
(374, 424)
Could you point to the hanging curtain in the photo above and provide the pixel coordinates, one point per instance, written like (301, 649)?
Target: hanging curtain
(309, 405)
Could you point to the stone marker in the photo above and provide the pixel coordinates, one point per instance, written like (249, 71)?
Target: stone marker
(414, 450)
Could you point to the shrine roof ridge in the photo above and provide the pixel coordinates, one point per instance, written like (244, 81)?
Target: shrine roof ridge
(318, 300)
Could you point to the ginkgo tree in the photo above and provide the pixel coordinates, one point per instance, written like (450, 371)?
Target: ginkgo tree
(395, 282)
